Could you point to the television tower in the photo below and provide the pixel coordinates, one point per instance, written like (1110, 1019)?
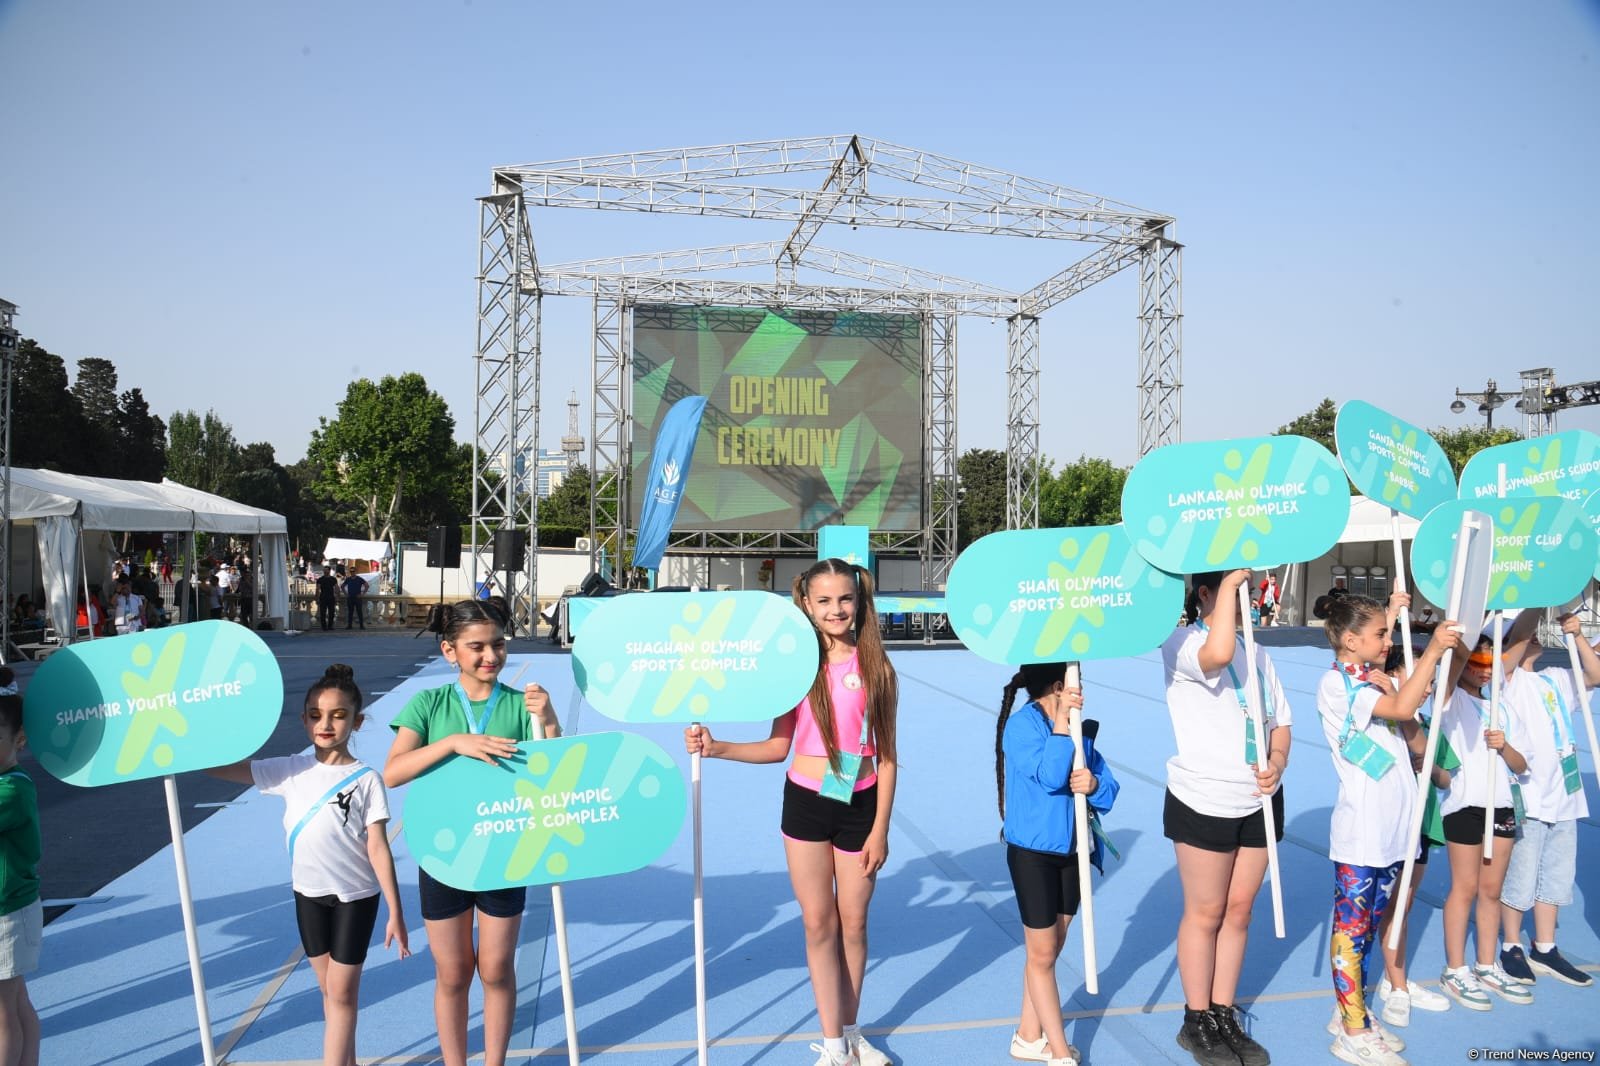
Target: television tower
(572, 443)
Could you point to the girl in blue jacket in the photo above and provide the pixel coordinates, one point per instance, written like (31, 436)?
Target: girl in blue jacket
(1033, 765)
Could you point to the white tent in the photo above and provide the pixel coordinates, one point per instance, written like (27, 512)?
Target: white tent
(63, 508)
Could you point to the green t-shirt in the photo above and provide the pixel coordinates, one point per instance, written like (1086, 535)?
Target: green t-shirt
(19, 841)
(436, 713)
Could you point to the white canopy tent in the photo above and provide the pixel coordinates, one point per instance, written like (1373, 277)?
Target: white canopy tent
(1370, 522)
(65, 508)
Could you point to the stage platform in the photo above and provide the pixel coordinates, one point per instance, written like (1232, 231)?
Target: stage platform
(944, 979)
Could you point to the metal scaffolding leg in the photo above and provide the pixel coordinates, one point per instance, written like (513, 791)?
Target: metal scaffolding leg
(939, 429)
(505, 462)
(1022, 422)
(1160, 344)
(608, 432)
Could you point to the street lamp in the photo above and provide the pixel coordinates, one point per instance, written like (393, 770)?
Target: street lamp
(1487, 400)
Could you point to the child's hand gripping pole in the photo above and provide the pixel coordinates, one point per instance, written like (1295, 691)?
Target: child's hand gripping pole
(1080, 821)
(1253, 701)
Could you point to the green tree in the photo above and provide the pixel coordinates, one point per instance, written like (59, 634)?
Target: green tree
(391, 440)
(1462, 444)
(448, 502)
(46, 419)
(1085, 493)
(1317, 424)
(982, 507)
(141, 439)
(258, 480)
(96, 392)
(564, 514)
(201, 452)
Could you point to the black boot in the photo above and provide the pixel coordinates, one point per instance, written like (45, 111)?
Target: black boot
(1200, 1038)
(1250, 1053)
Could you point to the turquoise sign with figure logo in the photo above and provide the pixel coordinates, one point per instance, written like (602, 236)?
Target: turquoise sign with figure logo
(1543, 555)
(695, 657)
(560, 810)
(1042, 595)
(1391, 461)
(165, 701)
(1561, 464)
(1221, 505)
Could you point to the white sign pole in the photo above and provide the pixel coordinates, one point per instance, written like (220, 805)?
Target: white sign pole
(190, 934)
(1400, 586)
(1253, 701)
(569, 1011)
(699, 911)
(1430, 740)
(1496, 677)
(1080, 817)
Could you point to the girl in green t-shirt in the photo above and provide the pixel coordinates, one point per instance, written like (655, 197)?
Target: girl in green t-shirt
(477, 717)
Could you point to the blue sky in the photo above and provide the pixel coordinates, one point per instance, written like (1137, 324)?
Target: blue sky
(245, 205)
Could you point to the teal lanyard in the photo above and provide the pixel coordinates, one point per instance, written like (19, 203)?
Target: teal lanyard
(1483, 716)
(466, 708)
(1560, 717)
(294, 833)
(1244, 704)
(1350, 704)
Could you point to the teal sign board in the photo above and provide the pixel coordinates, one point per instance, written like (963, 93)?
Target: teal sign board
(1543, 555)
(853, 544)
(695, 657)
(1221, 505)
(165, 701)
(1562, 464)
(1392, 461)
(563, 809)
(1042, 595)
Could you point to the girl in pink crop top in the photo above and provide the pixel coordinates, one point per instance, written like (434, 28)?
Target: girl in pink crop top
(835, 839)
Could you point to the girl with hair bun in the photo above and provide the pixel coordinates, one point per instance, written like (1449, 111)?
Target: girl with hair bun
(838, 794)
(336, 813)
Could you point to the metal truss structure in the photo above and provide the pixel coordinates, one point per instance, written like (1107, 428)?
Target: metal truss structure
(8, 358)
(756, 181)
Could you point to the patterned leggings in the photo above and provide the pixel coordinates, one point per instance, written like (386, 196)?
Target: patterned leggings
(1361, 897)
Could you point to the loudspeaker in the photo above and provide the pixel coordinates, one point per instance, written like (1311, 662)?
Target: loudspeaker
(444, 546)
(510, 549)
(594, 585)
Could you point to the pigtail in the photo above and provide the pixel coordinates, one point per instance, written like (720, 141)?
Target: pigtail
(1007, 700)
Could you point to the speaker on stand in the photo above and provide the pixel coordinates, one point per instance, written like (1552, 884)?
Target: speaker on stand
(444, 550)
(510, 555)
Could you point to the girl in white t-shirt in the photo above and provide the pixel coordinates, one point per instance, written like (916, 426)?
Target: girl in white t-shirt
(336, 812)
(1368, 722)
(1488, 761)
(1213, 815)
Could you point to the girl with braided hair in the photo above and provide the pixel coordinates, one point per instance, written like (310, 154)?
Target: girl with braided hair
(838, 794)
(1033, 757)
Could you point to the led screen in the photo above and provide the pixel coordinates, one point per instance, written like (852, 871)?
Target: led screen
(812, 417)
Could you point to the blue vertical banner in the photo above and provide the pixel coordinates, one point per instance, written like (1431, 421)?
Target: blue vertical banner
(669, 473)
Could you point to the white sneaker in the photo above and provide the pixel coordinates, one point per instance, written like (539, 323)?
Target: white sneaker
(1068, 1060)
(1425, 998)
(1031, 1050)
(1502, 984)
(1336, 1028)
(847, 1059)
(1365, 1049)
(865, 1053)
(1396, 1005)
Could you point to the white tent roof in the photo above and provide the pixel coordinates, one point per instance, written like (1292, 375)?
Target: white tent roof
(133, 506)
(1369, 521)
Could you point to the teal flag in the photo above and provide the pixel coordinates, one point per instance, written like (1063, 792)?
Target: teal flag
(1561, 464)
(695, 657)
(1543, 553)
(165, 701)
(1392, 461)
(1221, 505)
(563, 809)
(1043, 595)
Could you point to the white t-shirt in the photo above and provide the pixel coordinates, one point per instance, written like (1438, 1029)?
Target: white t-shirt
(330, 854)
(128, 612)
(1209, 774)
(1546, 717)
(1465, 719)
(1371, 824)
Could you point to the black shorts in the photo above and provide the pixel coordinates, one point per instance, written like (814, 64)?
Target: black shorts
(1422, 853)
(1466, 825)
(440, 901)
(810, 817)
(1046, 885)
(1183, 824)
(329, 926)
